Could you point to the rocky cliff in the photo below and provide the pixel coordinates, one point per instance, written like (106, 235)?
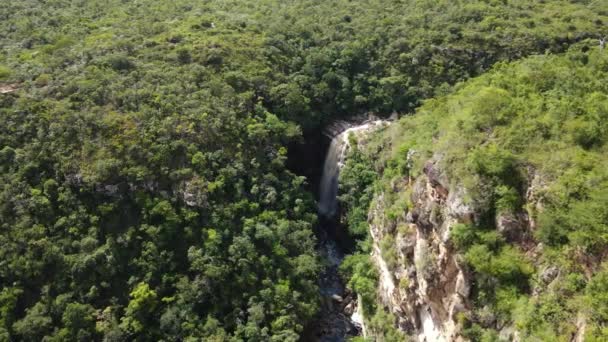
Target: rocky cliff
(426, 284)
(425, 279)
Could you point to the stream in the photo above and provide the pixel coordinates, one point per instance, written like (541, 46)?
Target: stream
(340, 316)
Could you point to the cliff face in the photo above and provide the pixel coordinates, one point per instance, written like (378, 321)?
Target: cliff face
(423, 280)
(426, 284)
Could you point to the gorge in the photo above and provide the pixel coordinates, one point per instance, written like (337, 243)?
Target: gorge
(341, 315)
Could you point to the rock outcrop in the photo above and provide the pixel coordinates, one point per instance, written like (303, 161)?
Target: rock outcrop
(428, 284)
(8, 88)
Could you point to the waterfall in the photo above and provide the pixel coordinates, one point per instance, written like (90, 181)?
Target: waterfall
(328, 189)
(328, 201)
(340, 316)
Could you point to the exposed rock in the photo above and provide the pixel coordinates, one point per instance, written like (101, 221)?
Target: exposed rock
(458, 208)
(193, 193)
(534, 197)
(514, 227)
(357, 317)
(430, 330)
(111, 190)
(549, 274)
(437, 181)
(486, 316)
(463, 288)
(8, 88)
(336, 127)
(74, 179)
(508, 334)
(581, 326)
(430, 285)
(337, 298)
(350, 308)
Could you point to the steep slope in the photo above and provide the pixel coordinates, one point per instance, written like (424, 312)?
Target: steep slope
(488, 217)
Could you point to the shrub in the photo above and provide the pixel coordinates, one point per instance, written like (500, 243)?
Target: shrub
(5, 72)
(492, 161)
(463, 236)
(120, 63)
(597, 295)
(363, 278)
(389, 252)
(507, 199)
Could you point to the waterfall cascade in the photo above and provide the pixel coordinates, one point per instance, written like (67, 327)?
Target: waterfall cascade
(328, 200)
(341, 316)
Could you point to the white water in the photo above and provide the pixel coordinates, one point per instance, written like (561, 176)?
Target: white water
(430, 331)
(335, 324)
(357, 317)
(328, 201)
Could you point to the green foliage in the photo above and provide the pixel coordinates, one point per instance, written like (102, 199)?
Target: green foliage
(463, 236)
(362, 275)
(389, 254)
(141, 306)
(550, 314)
(36, 323)
(356, 191)
(475, 332)
(382, 326)
(147, 145)
(507, 265)
(507, 199)
(8, 301)
(502, 272)
(491, 161)
(596, 295)
(79, 322)
(523, 134)
(5, 72)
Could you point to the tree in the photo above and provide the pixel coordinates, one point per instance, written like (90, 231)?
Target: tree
(140, 310)
(36, 324)
(79, 322)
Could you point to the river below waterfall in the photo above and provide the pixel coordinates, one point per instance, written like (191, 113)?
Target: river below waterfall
(339, 318)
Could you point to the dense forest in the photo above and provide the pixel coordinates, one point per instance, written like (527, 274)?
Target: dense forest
(144, 187)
